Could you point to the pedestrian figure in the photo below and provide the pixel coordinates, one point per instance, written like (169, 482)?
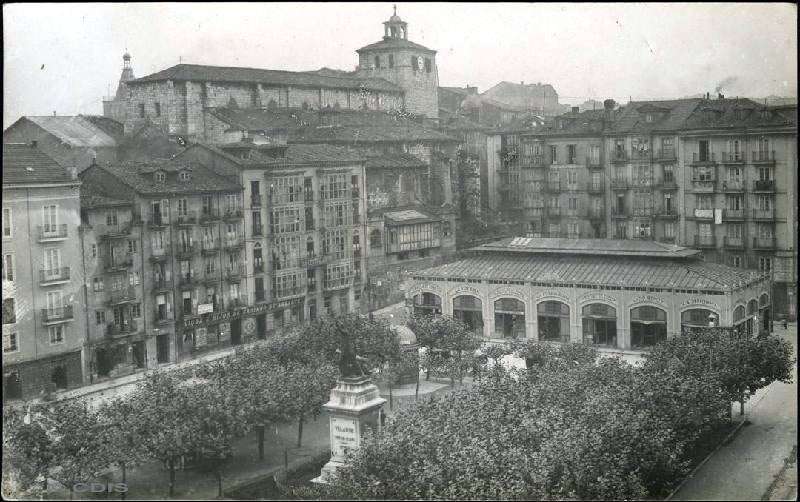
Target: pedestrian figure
(785, 324)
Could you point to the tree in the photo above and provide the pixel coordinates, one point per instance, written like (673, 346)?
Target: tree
(306, 387)
(449, 344)
(121, 425)
(28, 436)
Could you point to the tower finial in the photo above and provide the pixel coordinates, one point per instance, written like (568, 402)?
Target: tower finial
(395, 9)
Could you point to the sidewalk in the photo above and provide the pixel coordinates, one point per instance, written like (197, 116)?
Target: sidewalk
(746, 468)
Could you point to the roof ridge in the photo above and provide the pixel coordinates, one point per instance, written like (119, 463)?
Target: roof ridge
(292, 72)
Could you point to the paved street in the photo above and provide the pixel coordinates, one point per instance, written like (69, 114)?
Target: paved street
(745, 468)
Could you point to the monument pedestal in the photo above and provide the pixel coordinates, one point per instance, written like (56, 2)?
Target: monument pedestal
(353, 407)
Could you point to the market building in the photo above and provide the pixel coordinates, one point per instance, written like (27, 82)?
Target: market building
(43, 308)
(616, 294)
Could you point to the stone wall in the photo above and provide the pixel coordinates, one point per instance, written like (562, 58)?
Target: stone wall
(37, 375)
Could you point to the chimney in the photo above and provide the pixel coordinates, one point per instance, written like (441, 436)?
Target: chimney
(609, 105)
(575, 109)
(54, 113)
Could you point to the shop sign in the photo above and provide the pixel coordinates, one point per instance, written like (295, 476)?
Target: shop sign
(552, 293)
(466, 290)
(506, 291)
(648, 299)
(205, 308)
(700, 302)
(232, 315)
(602, 297)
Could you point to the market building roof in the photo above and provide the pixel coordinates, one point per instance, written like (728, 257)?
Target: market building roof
(25, 164)
(597, 247)
(595, 270)
(204, 73)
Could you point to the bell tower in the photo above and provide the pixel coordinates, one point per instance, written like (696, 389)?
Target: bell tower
(409, 65)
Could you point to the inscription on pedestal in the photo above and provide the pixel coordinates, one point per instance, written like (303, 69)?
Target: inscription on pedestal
(344, 435)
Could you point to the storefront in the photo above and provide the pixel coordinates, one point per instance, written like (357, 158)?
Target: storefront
(614, 294)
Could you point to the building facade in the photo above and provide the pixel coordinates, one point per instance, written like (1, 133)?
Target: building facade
(43, 308)
(623, 295)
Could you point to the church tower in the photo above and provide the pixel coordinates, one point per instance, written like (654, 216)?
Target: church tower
(404, 63)
(116, 107)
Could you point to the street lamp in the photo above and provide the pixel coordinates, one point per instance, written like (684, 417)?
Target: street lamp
(712, 321)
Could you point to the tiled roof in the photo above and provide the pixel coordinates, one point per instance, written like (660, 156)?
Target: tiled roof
(396, 161)
(394, 43)
(77, 130)
(110, 126)
(92, 201)
(597, 270)
(203, 73)
(24, 164)
(321, 154)
(245, 119)
(367, 134)
(140, 177)
(604, 247)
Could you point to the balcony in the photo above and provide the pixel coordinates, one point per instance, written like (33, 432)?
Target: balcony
(161, 285)
(642, 182)
(256, 200)
(733, 157)
(355, 192)
(50, 233)
(732, 214)
(595, 188)
(594, 163)
(234, 273)
(342, 283)
(734, 242)
(704, 214)
(764, 157)
(126, 328)
(289, 292)
(187, 280)
(667, 182)
(764, 243)
(575, 212)
(208, 215)
(619, 156)
(56, 315)
(666, 213)
(640, 154)
(119, 264)
(642, 212)
(233, 244)
(209, 247)
(232, 214)
(764, 214)
(733, 186)
(157, 220)
(703, 185)
(709, 158)
(764, 186)
(596, 215)
(110, 232)
(314, 260)
(118, 296)
(572, 187)
(553, 211)
(234, 303)
(308, 197)
(530, 161)
(619, 183)
(185, 251)
(50, 277)
(258, 267)
(704, 241)
(620, 212)
(163, 316)
(188, 218)
(211, 278)
(665, 155)
(161, 255)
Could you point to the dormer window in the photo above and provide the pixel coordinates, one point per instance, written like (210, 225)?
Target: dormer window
(648, 117)
(765, 114)
(161, 177)
(184, 176)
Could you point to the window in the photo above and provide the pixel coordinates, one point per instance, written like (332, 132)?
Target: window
(98, 284)
(571, 154)
(183, 207)
(158, 109)
(141, 110)
(375, 239)
(111, 218)
(8, 267)
(160, 177)
(134, 279)
(765, 264)
(737, 261)
(572, 177)
(734, 230)
(94, 250)
(704, 202)
(9, 311)
(648, 117)
(6, 222)
(573, 203)
(414, 63)
(573, 230)
(50, 218)
(704, 229)
(52, 262)
(734, 202)
(765, 231)
(377, 61)
(10, 343)
(594, 155)
(56, 334)
(184, 176)
(669, 230)
(136, 310)
(428, 65)
(100, 317)
(553, 154)
(391, 60)
(131, 246)
(764, 202)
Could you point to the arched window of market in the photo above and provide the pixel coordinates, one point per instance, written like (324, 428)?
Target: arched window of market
(427, 304)
(599, 325)
(509, 318)
(698, 318)
(764, 312)
(469, 310)
(553, 321)
(648, 326)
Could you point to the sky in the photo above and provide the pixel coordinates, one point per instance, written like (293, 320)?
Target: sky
(65, 57)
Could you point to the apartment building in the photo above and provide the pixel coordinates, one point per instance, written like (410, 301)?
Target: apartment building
(192, 260)
(305, 227)
(43, 320)
(715, 174)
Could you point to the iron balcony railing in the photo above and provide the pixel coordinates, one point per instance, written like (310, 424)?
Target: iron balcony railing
(127, 327)
(209, 214)
(595, 187)
(209, 246)
(733, 242)
(733, 186)
(187, 218)
(764, 243)
(764, 186)
(162, 283)
(619, 156)
(664, 212)
(114, 231)
(53, 275)
(764, 214)
(256, 200)
(232, 214)
(286, 292)
(552, 186)
(187, 279)
(620, 212)
(619, 182)
(733, 157)
(733, 214)
(120, 262)
(234, 272)
(186, 250)
(763, 156)
(642, 211)
(157, 220)
(233, 303)
(708, 157)
(233, 243)
(665, 154)
(163, 315)
(51, 232)
(57, 314)
(703, 185)
(553, 211)
(704, 241)
(642, 181)
(593, 162)
(123, 295)
(157, 255)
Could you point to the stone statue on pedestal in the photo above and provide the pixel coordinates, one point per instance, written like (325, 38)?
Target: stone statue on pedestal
(349, 362)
